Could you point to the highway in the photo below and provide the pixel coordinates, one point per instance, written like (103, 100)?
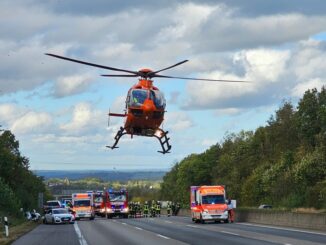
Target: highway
(166, 230)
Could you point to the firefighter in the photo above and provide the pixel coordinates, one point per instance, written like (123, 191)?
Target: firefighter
(173, 208)
(168, 209)
(131, 209)
(231, 210)
(145, 209)
(138, 209)
(153, 209)
(177, 209)
(158, 208)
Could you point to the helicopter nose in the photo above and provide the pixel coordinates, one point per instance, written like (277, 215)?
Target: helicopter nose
(148, 106)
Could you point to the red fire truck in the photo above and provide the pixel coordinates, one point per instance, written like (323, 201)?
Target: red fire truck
(114, 204)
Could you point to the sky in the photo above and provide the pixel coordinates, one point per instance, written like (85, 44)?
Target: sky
(58, 109)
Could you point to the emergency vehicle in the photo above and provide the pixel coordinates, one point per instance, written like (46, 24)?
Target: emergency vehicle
(83, 205)
(98, 203)
(116, 203)
(208, 203)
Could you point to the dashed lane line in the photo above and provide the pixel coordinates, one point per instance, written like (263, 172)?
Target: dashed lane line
(193, 226)
(165, 237)
(166, 221)
(138, 228)
(81, 238)
(230, 233)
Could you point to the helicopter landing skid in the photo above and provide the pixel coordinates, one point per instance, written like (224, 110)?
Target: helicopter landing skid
(117, 137)
(161, 136)
(164, 141)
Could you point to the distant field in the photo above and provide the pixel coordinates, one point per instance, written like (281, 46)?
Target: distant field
(105, 175)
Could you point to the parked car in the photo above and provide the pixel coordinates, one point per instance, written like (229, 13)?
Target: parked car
(51, 204)
(265, 206)
(59, 216)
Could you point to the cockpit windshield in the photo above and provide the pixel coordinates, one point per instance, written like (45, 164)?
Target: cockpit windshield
(158, 98)
(137, 97)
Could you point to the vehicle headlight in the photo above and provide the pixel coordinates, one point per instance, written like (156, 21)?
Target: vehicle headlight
(102, 210)
(126, 209)
(226, 212)
(109, 210)
(205, 212)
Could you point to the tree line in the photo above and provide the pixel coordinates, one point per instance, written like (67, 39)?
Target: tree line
(19, 187)
(282, 163)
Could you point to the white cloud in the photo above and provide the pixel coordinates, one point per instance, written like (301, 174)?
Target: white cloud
(177, 121)
(301, 88)
(73, 84)
(32, 122)
(84, 120)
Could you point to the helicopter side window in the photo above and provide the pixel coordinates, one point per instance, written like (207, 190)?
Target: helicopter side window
(138, 96)
(158, 98)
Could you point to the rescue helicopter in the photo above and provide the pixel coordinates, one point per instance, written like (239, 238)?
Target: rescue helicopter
(145, 103)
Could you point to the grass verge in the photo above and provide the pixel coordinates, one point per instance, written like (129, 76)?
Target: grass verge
(16, 231)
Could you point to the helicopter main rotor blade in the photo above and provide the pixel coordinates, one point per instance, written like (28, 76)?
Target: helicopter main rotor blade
(202, 79)
(150, 74)
(91, 64)
(122, 75)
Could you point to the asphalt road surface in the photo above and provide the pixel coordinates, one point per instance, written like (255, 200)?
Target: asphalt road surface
(166, 230)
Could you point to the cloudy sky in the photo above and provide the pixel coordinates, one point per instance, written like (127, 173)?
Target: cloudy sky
(58, 109)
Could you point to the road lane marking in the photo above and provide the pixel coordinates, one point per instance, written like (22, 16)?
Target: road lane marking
(231, 233)
(138, 228)
(165, 237)
(286, 229)
(114, 221)
(124, 223)
(166, 221)
(193, 226)
(81, 238)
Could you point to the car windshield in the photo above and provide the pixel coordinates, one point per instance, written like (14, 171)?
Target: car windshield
(52, 204)
(138, 96)
(158, 98)
(60, 211)
(213, 199)
(117, 197)
(82, 203)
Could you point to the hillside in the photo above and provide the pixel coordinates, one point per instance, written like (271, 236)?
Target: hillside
(105, 175)
(283, 163)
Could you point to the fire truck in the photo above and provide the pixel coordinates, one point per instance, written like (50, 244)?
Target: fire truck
(115, 203)
(83, 205)
(98, 203)
(208, 203)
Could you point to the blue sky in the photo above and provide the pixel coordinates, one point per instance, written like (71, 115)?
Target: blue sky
(58, 110)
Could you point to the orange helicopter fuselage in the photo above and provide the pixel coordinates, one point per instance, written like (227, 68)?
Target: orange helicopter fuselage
(144, 119)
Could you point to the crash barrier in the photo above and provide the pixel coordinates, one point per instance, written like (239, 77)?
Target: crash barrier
(315, 221)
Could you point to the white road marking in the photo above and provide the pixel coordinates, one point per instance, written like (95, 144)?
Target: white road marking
(165, 237)
(194, 226)
(81, 238)
(166, 221)
(138, 228)
(287, 244)
(231, 233)
(286, 229)
(114, 221)
(124, 223)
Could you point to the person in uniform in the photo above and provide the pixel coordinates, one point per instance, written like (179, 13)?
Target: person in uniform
(168, 209)
(145, 209)
(158, 209)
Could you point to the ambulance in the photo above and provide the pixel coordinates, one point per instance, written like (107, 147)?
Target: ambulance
(208, 203)
(83, 205)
